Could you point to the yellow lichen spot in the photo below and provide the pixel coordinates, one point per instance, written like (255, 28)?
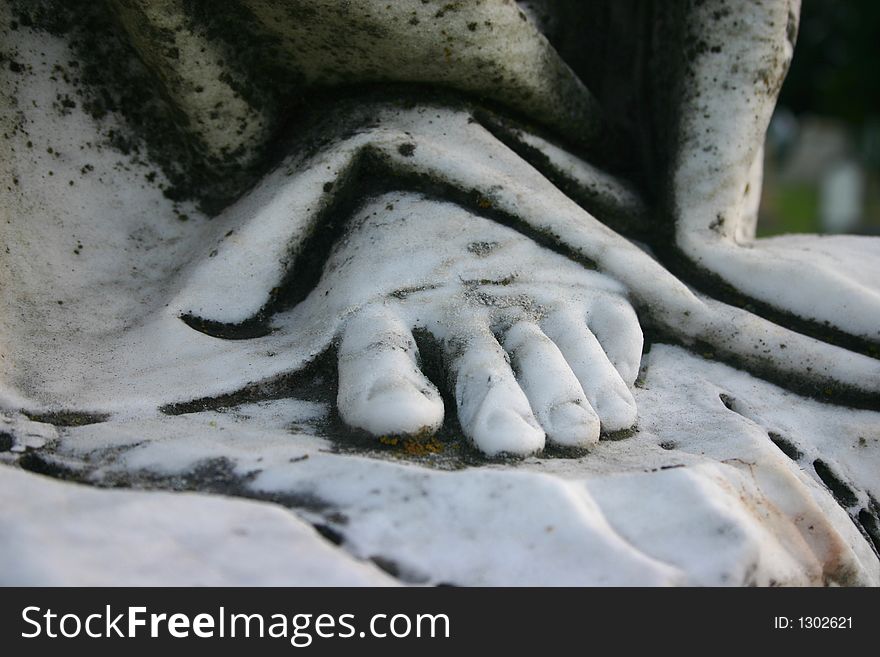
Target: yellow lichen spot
(417, 447)
(420, 444)
(484, 203)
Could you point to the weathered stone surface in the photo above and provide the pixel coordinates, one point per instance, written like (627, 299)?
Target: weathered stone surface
(413, 320)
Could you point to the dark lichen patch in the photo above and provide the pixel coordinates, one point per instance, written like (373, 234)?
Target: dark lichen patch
(620, 434)
(482, 249)
(67, 418)
(481, 282)
(316, 381)
(407, 150)
(330, 533)
(555, 451)
(668, 445)
(398, 571)
(254, 327)
(869, 520)
(216, 475)
(405, 292)
(6, 441)
(45, 464)
(717, 223)
(728, 401)
(786, 446)
(842, 492)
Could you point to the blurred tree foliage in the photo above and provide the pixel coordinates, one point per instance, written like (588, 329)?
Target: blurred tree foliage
(836, 68)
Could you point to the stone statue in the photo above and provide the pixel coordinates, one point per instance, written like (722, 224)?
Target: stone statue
(453, 217)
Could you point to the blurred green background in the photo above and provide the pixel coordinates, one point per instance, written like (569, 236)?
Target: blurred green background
(822, 159)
